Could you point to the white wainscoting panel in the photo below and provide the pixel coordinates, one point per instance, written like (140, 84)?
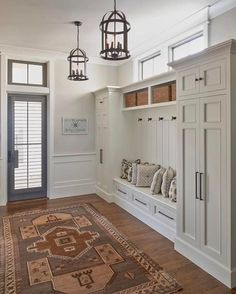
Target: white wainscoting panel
(74, 174)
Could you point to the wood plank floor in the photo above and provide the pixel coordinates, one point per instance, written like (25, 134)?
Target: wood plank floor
(192, 278)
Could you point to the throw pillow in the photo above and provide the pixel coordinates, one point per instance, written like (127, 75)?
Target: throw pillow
(125, 165)
(157, 181)
(145, 174)
(130, 171)
(134, 173)
(173, 190)
(166, 181)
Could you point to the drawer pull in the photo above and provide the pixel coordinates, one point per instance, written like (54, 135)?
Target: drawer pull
(162, 213)
(121, 191)
(141, 202)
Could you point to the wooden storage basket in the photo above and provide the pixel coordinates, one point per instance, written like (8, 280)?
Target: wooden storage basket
(173, 91)
(142, 97)
(131, 99)
(161, 94)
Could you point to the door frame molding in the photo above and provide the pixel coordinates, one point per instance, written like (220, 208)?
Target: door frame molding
(49, 92)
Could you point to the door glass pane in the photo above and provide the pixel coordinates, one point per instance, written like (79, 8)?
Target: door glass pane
(20, 173)
(19, 73)
(35, 122)
(35, 166)
(28, 142)
(35, 74)
(20, 124)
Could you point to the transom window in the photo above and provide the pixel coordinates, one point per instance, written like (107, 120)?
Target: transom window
(150, 66)
(187, 47)
(27, 73)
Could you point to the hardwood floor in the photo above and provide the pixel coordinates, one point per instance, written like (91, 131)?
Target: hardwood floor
(192, 278)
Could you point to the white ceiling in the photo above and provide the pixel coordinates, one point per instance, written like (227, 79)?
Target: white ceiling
(46, 24)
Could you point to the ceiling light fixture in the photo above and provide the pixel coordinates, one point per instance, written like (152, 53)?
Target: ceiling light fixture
(78, 61)
(115, 28)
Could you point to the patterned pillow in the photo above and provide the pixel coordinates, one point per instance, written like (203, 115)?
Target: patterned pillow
(166, 181)
(157, 181)
(145, 174)
(134, 173)
(173, 190)
(125, 165)
(130, 171)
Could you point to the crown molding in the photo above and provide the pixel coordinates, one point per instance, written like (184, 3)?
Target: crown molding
(220, 7)
(45, 55)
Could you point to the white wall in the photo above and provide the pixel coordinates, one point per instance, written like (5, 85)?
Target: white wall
(223, 27)
(75, 100)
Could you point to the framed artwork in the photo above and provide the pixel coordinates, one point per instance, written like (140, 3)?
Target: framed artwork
(74, 126)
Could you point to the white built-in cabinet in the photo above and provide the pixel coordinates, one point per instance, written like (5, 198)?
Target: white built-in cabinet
(202, 174)
(206, 223)
(113, 139)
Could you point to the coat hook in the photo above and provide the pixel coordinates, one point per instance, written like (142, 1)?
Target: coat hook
(140, 119)
(161, 118)
(173, 118)
(150, 119)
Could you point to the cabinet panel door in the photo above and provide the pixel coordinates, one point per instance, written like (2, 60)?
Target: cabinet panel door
(213, 183)
(188, 165)
(99, 146)
(188, 83)
(212, 76)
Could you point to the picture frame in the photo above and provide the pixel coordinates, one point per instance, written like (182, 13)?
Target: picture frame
(74, 126)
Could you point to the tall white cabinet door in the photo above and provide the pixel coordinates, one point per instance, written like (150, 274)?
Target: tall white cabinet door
(213, 76)
(188, 82)
(188, 153)
(213, 159)
(99, 146)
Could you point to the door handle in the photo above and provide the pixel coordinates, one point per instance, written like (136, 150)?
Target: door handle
(202, 186)
(196, 185)
(101, 156)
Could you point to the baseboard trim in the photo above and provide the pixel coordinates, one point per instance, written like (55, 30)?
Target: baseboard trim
(104, 195)
(214, 268)
(155, 224)
(73, 190)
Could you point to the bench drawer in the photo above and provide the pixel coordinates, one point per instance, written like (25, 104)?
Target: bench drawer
(140, 201)
(164, 213)
(122, 191)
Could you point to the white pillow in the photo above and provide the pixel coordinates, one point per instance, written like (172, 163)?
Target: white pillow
(157, 181)
(145, 174)
(166, 181)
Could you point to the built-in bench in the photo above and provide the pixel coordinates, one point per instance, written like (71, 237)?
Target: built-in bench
(154, 210)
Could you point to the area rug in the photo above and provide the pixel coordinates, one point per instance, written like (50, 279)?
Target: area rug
(74, 250)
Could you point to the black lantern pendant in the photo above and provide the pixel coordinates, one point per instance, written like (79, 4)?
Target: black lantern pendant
(115, 28)
(78, 61)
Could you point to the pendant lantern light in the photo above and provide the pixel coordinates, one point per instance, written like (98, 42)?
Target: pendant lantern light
(78, 61)
(115, 28)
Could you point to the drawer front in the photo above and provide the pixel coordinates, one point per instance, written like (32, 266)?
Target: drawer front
(164, 213)
(122, 191)
(140, 201)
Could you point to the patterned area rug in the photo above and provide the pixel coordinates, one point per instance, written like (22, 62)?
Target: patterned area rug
(74, 250)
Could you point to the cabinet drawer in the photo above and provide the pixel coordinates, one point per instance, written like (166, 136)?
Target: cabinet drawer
(164, 213)
(140, 201)
(122, 191)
